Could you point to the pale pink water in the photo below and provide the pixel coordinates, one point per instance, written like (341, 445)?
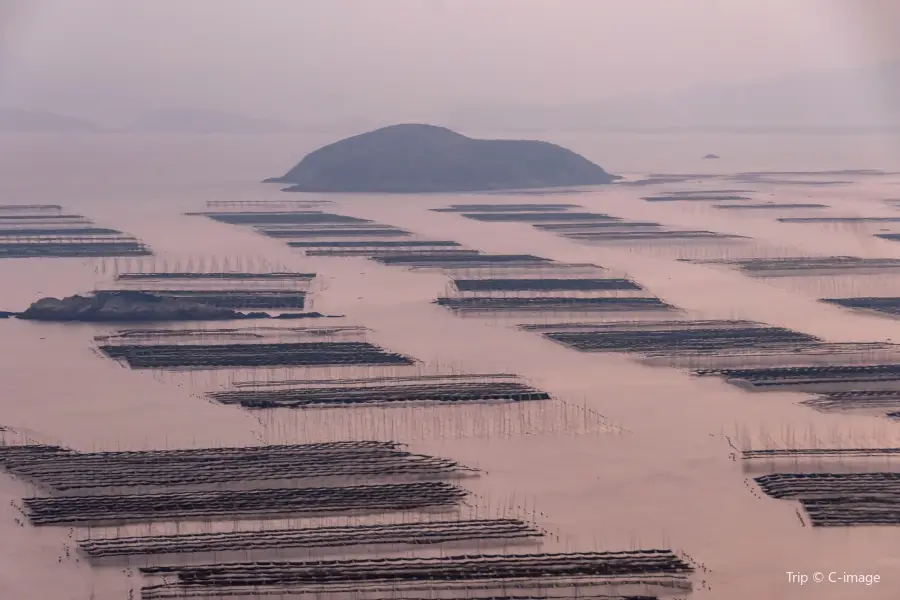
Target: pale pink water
(665, 479)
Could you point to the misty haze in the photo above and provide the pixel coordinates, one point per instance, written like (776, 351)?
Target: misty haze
(451, 299)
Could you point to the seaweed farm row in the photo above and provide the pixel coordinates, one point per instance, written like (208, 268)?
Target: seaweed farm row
(587, 226)
(41, 230)
(248, 504)
(308, 354)
(415, 534)
(381, 392)
(664, 337)
(235, 299)
(340, 235)
(882, 305)
(66, 471)
(584, 574)
(554, 304)
(811, 266)
(839, 499)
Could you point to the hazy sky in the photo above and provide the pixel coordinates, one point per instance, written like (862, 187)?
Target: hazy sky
(405, 59)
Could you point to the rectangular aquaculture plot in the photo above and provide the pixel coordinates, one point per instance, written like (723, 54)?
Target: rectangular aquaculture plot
(15, 452)
(771, 206)
(680, 337)
(75, 471)
(72, 248)
(885, 305)
(505, 208)
(58, 232)
(427, 533)
(663, 235)
(216, 276)
(801, 376)
(840, 499)
(810, 266)
(594, 225)
(234, 504)
(8, 219)
(796, 453)
(275, 218)
(30, 208)
(461, 259)
(474, 389)
(249, 299)
(545, 285)
(888, 400)
(538, 217)
(312, 354)
(839, 220)
(517, 572)
(335, 233)
(694, 197)
(551, 304)
(375, 244)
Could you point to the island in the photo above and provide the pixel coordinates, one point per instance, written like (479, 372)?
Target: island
(415, 158)
(131, 306)
(711, 156)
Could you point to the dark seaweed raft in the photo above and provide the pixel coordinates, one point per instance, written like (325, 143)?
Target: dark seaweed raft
(538, 217)
(839, 219)
(438, 573)
(72, 471)
(807, 375)
(545, 285)
(549, 304)
(770, 206)
(687, 336)
(233, 504)
(505, 208)
(13, 453)
(73, 248)
(344, 232)
(886, 305)
(562, 228)
(275, 218)
(840, 499)
(693, 197)
(426, 533)
(888, 400)
(247, 299)
(809, 266)
(375, 244)
(58, 231)
(217, 276)
(456, 392)
(466, 258)
(613, 236)
(30, 208)
(33, 231)
(161, 356)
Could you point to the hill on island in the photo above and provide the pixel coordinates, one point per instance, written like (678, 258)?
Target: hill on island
(17, 120)
(414, 158)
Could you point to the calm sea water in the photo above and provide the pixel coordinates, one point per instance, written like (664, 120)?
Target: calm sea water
(664, 479)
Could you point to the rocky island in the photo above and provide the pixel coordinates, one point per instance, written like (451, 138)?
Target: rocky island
(414, 158)
(130, 306)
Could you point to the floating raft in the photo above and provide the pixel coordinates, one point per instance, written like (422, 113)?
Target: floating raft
(426, 533)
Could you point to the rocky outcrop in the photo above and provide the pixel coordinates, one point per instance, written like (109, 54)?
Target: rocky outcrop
(414, 158)
(125, 306)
